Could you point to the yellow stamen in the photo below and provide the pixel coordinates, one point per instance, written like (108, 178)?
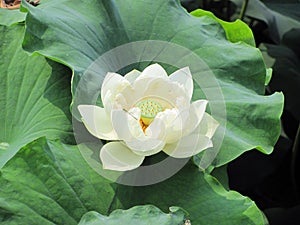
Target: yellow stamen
(144, 126)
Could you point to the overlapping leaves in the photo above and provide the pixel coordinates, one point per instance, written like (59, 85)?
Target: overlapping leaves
(34, 96)
(48, 182)
(77, 33)
(142, 215)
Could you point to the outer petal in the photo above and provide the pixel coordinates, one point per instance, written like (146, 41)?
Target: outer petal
(161, 89)
(188, 146)
(196, 113)
(174, 122)
(183, 76)
(156, 130)
(97, 122)
(113, 101)
(207, 126)
(145, 147)
(153, 71)
(152, 142)
(128, 129)
(116, 156)
(112, 83)
(153, 78)
(126, 124)
(154, 82)
(132, 75)
(195, 142)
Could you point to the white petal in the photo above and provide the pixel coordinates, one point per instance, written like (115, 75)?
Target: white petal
(111, 102)
(174, 123)
(162, 90)
(125, 101)
(183, 76)
(156, 129)
(145, 147)
(154, 82)
(107, 101)
(116, 156)
(196, 113)
(188, 146)
(113, 83)
(128, 129)
(153, 71)
(197, 141)
(150, 143)
(207, 126)
(182, 102)
(126, 124)
(132, 75)
(97, 122)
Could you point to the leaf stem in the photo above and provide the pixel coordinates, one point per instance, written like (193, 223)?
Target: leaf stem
(244, 9)
(295, 155)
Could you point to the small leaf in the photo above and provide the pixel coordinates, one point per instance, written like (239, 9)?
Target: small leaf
(268, 75)
(280, 17)
(141, 215)
(235, 31)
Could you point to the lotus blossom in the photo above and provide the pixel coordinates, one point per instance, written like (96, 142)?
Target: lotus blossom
(148, 112)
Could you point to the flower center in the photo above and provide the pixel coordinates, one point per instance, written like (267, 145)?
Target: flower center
(149, 109)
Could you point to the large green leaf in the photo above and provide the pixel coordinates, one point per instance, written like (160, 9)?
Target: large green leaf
(141, 215)
(50, 183)
(200, 194)
(47, 182)
(77, 33)
(34, 96)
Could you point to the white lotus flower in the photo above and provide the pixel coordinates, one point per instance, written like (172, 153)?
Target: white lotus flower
(148, 112)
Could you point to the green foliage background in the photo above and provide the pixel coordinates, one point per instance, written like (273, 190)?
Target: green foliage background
(44, 178)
